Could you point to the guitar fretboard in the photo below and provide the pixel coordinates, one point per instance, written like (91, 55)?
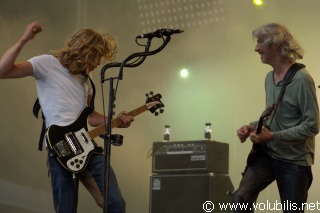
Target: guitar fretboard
(115, 122)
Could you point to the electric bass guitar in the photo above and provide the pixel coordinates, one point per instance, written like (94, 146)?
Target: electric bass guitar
(73, 145)
(256, 147)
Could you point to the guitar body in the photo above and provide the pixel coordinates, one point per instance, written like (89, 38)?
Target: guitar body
(71, 145)
(256, 148)
(254, 152)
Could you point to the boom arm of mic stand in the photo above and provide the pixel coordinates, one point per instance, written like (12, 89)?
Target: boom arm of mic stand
(117, 64)
(145, 54)
(135, 55)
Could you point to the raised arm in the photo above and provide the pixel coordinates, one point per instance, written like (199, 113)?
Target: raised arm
(8, 66)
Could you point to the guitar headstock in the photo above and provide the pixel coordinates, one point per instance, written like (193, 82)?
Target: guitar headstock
(153, 102)
(266, 113)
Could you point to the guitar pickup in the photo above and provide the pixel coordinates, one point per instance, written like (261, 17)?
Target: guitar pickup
(73, 143)
(84, 137)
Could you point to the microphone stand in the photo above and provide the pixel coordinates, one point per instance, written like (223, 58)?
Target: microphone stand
(107, 136)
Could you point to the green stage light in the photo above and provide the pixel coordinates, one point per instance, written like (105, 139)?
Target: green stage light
(184, 73)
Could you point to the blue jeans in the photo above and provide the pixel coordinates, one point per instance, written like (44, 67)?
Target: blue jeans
(65, 187)
(293, 183)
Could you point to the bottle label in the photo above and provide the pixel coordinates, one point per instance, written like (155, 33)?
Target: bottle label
(166, 137)
(207, 135)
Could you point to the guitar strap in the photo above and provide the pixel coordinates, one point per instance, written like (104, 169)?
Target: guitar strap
(36, 108)
(286, 81)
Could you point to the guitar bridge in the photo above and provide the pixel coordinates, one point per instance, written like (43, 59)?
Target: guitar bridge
(62, 149)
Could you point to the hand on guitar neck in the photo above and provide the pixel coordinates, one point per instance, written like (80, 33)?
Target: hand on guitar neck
(262, 133)
(259, 133)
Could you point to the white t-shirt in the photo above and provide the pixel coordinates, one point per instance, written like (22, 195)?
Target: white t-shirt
(62, 96)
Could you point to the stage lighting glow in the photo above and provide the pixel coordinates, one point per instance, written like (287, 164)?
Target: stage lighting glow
(184, 73)
(257, 2)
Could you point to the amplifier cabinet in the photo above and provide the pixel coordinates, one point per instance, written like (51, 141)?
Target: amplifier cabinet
(186, 193)
(190, 157)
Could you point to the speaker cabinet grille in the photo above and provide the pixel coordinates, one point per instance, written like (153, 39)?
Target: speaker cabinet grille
(187, 193)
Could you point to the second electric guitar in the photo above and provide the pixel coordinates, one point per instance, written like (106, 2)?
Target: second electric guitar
(255, 147)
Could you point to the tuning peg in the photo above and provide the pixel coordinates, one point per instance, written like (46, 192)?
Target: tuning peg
(161, 110)
(156, 113)
(151, 92)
